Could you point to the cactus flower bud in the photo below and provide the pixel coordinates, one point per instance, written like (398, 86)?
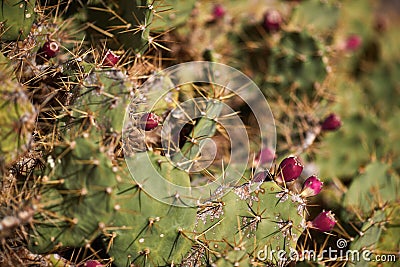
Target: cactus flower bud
(50, 49)
(218, 11)
(148, 121)
(93, 263)
(353, 42)
(290, 169)
(331, 123)
(110, 59)
(272, 21)
(265, 156)
(324, 222)
(311, 187)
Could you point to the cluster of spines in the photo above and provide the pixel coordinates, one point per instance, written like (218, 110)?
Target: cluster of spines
(267, 21)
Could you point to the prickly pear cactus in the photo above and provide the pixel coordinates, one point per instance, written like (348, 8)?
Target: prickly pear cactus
(371, 231)
(368, 192)
(75, 203)
(367, 75)
(102, 100)
(146, 231)
(371, 202)
(159, 229)
(316, 16)
(127, 23)
(140, 15)
(177, 13)
(251, 223)
(297, 63)
(172, 202)
(17, 118)
(16, 19)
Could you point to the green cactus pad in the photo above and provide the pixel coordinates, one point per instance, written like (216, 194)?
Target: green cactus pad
(316, 15)
(125, 22)
(261, 223)
(104, 96)
(77, 200)
(16, 19)
(296, 61)
(235, 257)
(337, 161)
(204, 128)
(178, 13)
(372, 230)
(149, 232)
(17, 118)
(376, 186)
(139, 13)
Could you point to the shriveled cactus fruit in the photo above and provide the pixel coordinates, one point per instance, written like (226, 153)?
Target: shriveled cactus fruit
(77, 199)
(16, 19)
(148, 232)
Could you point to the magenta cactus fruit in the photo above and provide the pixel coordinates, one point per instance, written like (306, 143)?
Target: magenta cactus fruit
(149, 121)
(312, 186)
(272, 21)
(218, 11)
(265, 156)
(331, 123)
(50, 49)
(93, 263)
(110, 59)
(290, 169)
(324, 222)
(353, 42)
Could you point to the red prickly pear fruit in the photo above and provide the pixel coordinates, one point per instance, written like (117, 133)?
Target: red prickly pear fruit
(290, 169)
(265, 156)
(110, 59)
(324, 222)
(218, 11)
(50, 49)
(272, 21)
(93, 263)
(149, 121)
(311, 187)
(353, 42)
(331, 123)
